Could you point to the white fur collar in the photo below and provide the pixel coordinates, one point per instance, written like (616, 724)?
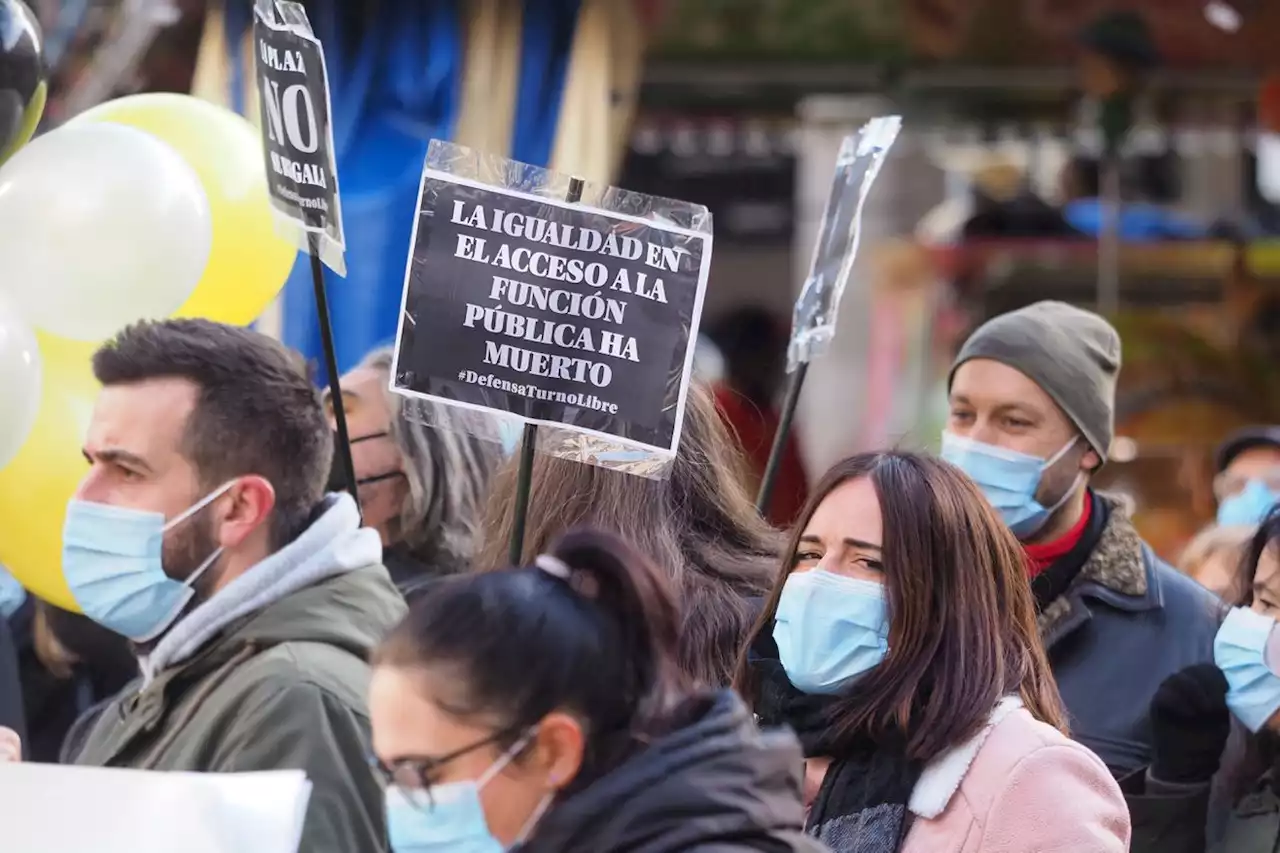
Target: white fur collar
(942, 777)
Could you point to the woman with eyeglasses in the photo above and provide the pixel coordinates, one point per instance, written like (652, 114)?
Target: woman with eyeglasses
(544, 709)
(900, 643)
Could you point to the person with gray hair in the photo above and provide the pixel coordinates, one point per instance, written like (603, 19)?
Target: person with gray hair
(422, 472)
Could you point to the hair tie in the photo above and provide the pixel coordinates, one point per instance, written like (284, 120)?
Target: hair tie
(553, 566)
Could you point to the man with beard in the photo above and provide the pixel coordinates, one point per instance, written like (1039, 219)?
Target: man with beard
(1032, 402)
(202, 532)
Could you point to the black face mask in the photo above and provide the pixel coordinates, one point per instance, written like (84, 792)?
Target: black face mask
(338, 478)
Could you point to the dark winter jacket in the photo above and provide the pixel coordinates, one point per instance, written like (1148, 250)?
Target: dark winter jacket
(715, 785)
(11, 714)
(1173, 818)
(101, 665)
(1126, 623)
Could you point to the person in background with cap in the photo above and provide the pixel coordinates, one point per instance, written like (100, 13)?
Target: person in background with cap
(1032, 401)
(1248, 481)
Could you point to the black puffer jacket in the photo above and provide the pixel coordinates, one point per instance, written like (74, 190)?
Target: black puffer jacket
(717, 785)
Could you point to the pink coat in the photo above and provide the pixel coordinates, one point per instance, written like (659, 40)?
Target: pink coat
(1018, 786)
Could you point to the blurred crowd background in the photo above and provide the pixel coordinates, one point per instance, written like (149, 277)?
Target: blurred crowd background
(988, 202)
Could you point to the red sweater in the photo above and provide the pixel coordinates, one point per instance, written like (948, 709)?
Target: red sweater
(754, 429)
(1044, 555)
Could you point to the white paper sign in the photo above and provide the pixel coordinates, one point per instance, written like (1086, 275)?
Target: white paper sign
(47, 808)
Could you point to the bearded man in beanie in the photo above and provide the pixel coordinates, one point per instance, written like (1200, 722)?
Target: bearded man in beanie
(1032, 413)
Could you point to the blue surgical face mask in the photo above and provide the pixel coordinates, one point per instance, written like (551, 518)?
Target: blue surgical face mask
(1240, 651)
(830, 629)
(451, 817)
(12, 594)
(1008, 479)
(112, 562)
(1249, 506)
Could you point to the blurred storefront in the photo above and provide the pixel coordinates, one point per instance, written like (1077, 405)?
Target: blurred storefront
(988, 88)
(739, 104)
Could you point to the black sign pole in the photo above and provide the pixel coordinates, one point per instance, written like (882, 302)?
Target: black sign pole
(794, 386)
(301, 171)
(528, 444)
(343, 448)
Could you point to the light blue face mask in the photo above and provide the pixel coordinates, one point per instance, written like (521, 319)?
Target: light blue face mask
(12, 594)
(453, 820)
(830, 629)
(112, 562)
(1240, 651)
(1249, 506)
(1008, 479)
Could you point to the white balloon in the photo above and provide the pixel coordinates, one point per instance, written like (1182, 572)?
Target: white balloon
(100, 225)
(20, 379)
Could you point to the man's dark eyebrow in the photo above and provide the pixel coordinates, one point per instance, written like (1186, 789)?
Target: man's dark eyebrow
(961, 399)
(112, 454)
(1021, 408)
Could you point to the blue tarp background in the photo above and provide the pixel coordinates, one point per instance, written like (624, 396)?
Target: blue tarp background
(394, 79)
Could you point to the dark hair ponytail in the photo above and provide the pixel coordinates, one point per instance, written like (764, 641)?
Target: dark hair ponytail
(592, 631)
(628, 590)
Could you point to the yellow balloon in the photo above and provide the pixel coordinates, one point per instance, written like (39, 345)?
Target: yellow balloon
(249, 261)
(36, 485)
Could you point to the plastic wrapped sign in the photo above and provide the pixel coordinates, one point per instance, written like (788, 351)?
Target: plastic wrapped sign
(858, 163)
(297, 130)
(579, 317)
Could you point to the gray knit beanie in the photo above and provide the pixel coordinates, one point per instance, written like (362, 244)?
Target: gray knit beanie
(1074, 355)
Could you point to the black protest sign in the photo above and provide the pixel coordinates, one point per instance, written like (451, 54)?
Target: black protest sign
(558, 313)
(297, 132)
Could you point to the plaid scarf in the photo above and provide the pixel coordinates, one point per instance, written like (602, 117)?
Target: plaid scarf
(862, 804)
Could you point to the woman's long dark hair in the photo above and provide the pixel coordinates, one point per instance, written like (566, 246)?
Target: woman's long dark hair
(962, 619)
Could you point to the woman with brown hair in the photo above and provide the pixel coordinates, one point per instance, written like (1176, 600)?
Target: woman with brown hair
(698, 525)
(900, 643)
